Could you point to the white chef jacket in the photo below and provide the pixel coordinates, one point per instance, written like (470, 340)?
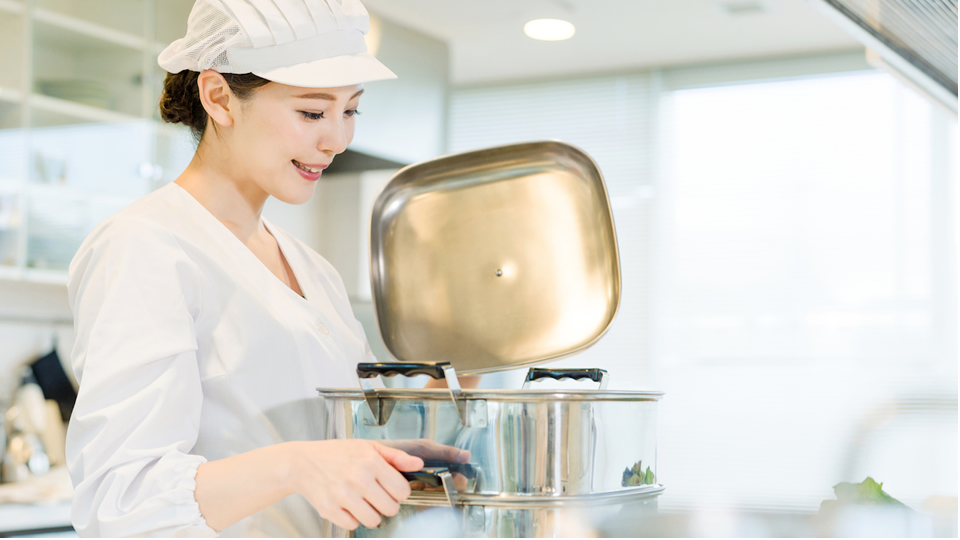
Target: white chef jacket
(189, 349)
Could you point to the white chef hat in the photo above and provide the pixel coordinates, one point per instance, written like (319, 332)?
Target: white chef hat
(312, 43)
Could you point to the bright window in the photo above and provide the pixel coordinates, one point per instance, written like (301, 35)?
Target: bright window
(789, 270)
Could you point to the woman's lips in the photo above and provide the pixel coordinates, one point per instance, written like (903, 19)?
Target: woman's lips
(311, 175)
(312, 165)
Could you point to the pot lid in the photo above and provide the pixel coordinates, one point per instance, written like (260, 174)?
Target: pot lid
(494, 259)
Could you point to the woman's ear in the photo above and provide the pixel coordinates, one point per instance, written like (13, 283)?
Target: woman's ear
(216, 97)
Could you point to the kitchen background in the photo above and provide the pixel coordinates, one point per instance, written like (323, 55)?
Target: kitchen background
(785, 206)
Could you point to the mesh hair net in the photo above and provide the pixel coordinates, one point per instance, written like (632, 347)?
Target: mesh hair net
(242, 36)
(210, 33)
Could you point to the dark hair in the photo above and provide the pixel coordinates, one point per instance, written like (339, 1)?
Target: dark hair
(180, 100)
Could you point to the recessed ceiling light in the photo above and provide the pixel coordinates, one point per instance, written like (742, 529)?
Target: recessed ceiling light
(549, 29)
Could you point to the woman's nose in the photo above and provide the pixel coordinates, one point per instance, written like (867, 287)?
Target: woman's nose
(335, 139)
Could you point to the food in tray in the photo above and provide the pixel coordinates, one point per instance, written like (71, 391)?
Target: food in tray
(867, 492)
(636, 476)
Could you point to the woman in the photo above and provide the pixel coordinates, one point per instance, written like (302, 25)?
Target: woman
(202, 329)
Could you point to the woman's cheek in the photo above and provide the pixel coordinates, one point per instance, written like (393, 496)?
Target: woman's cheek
(349, 129)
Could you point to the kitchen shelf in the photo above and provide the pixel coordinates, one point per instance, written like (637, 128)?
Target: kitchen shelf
(33, 275)
(76, 195)
(11, 38)
(9, 95)
(125, 16)
(89, 29)
(9, 224)
(75, 111)
(11, 6)
(59, 218)
(76, 67)
(9, 117)
(79, 134)
(12, 147)
(53, 277)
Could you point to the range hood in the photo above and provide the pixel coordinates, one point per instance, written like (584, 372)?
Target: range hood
(350, 161)
(915, 40)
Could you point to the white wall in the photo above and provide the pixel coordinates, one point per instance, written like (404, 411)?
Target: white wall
(404, 119)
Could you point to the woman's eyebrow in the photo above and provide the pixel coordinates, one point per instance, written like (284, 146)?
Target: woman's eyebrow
(323, 95)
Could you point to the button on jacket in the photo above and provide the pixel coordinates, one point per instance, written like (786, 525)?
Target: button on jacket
(189, 349)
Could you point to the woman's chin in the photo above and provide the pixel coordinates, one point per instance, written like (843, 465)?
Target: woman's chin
(298, 195)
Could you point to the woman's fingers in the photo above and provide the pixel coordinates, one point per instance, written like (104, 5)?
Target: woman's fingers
(361, 510)
(434, 450)
(393, 483)
(338, 516)
(427, 449)
(357, 481)
(446, 453)
(382, 501)
(399, 459)
(460, 481)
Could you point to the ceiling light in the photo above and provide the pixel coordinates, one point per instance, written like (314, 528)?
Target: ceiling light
(548, 29)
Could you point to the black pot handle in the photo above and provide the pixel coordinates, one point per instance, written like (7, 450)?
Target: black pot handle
(596, 375)
(469, 471)
(407, 369)
(437, 370)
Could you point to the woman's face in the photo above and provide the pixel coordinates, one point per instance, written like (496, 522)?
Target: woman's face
(284, 136)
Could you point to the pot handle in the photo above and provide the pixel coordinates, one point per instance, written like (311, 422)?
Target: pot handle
(407, 369)
(436, 370)
(596, 375)
(436, 477)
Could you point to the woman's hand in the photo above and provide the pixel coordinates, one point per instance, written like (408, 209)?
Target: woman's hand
(427, 449)
(351, 481)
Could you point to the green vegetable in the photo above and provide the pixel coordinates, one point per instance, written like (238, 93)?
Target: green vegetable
(648, 478)
(636, 476)
(866, 492)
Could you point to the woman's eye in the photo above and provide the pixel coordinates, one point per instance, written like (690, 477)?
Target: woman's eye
(351, 112)
(312, 115)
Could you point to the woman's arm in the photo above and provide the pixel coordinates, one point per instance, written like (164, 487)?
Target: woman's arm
(346, 481)
(136, 299)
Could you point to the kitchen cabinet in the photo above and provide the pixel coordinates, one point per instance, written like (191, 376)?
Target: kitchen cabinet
(80, 136)
(36, 520)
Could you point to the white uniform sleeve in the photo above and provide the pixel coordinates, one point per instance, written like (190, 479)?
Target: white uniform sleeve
(135, 296)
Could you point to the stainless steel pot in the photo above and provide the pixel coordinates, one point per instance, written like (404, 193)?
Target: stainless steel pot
(521, 441)
(491, 260)
(447, 513)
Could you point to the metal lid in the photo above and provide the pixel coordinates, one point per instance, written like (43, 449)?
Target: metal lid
(495, 259)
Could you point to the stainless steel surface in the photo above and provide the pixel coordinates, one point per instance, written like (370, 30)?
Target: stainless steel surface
(531, 395)
(510, 517)
(495, 259)
(380, 410)
(439, 498)
(530, 443)
(492, 260)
